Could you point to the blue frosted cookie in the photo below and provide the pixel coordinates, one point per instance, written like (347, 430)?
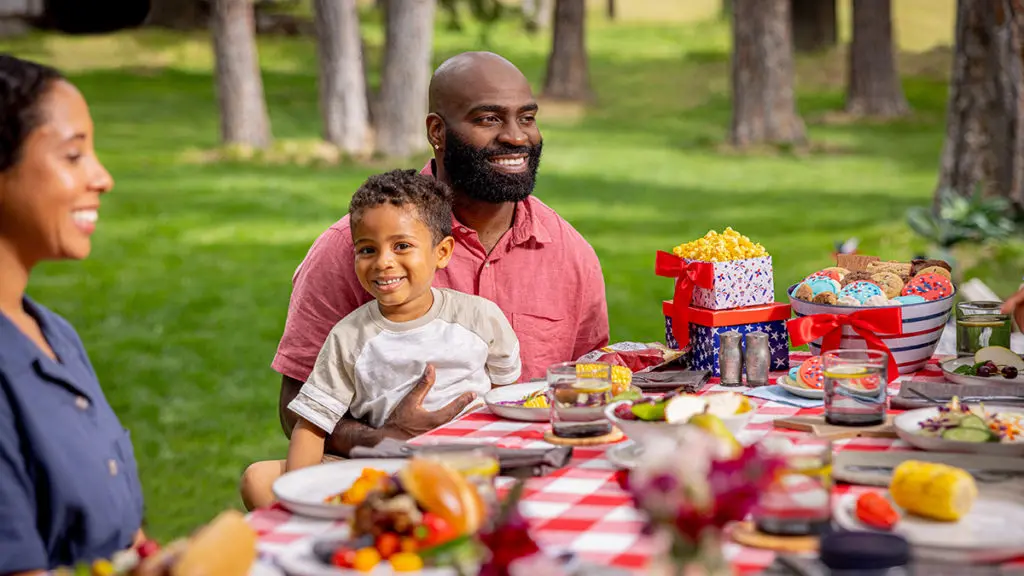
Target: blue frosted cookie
(910, 299)
(861, 291)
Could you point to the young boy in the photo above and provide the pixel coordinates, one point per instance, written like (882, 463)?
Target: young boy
(401, 230)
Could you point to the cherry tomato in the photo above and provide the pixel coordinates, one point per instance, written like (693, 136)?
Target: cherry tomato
(343, 557)
(409, 545)
(147, 549)
(436, 531)
(366, 559)
(387, 544)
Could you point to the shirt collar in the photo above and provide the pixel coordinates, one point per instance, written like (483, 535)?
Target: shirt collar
(16, 349)
(525, 224)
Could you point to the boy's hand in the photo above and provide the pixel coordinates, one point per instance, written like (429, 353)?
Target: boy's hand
(410, 419)
(1015, 305)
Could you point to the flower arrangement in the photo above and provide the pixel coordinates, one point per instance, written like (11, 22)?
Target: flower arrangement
(690, 488)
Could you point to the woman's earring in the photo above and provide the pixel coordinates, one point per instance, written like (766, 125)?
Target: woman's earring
(437, 146)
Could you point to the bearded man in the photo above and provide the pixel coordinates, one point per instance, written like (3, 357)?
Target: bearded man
(510, 248)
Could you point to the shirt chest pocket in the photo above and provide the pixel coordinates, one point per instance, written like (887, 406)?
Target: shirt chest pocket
(545, 338)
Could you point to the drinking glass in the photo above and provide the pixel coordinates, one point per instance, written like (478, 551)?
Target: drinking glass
(856, 387)
(798, 501)
(980, 324)
(577, 395)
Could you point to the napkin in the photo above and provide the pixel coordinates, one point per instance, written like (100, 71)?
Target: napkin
(779, 394)
(514, 462)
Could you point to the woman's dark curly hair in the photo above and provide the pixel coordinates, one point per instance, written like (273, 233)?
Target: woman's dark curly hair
(431, 198)
(22, 86)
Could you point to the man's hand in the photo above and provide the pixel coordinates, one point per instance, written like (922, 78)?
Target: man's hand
(1015, 305)
(409, 418)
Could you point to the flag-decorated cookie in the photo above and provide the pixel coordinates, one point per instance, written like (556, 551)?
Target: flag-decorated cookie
(931, 287)
(810, 373)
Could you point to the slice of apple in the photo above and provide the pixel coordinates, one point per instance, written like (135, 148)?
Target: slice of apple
(683, 407)
(724, 404)
(999, 356)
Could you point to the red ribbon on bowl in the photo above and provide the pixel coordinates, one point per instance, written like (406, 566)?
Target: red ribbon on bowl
(866, 323)
(687, 275)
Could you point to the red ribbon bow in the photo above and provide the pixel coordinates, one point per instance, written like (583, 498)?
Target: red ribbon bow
(867, 323)
(687, 275)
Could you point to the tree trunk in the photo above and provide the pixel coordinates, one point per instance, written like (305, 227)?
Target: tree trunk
(243, 112)
(874, 87)
(611, 9)
(567, 76)
(537, 14)
(984, 144)
(814, 24)
(343, 102)
(178, 14)
(405, 78)
(763, 104)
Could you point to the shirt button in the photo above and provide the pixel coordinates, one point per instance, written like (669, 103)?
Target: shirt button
(487, 264)
(112, 465)
(82, 403)
(463, 230)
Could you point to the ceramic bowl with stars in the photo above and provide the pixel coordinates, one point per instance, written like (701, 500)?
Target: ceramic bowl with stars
(922, 327)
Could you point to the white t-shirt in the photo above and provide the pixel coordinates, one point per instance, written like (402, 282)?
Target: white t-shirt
(369, 363)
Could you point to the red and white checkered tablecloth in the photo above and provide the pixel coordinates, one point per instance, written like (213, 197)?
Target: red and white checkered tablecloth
(581, 507)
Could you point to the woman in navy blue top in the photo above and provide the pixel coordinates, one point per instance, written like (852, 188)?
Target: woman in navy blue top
(69, 488)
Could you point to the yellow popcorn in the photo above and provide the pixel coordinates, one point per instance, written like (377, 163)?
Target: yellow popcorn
(715, 247)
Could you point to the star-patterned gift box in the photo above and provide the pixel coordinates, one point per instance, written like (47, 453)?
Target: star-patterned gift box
(707, 325)
(738, 284)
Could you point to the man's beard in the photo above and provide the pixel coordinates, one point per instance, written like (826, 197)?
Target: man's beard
(472, 173)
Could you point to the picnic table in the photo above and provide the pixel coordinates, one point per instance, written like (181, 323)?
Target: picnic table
(581, 507)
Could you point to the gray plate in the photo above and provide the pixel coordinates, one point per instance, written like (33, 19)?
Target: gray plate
(950, 365)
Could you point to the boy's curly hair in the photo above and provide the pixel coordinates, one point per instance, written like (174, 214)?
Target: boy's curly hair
(431, 198)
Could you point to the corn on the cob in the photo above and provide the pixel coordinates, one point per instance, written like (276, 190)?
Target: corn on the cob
(622, 376)
(933, 490)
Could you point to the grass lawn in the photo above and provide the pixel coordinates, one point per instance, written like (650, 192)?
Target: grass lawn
(184, 297)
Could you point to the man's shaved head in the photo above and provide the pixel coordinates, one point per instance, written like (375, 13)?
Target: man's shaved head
(455, 80)
(482, 126)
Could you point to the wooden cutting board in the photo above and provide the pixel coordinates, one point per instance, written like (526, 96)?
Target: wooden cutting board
(817, 426)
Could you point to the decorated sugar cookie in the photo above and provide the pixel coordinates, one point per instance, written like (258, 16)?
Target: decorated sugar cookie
(931, 287)
(861, 291)
(912, 299)
(810, 374)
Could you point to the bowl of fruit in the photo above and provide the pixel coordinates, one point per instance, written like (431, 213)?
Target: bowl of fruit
(989, 365)
(716, 412)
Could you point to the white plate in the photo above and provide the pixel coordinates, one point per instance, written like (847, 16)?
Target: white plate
(624, 455)
(907, 428)
(512, 393)
(299, 560)
(993, 531)
(303, 491)
(950, 365)
(800, 391)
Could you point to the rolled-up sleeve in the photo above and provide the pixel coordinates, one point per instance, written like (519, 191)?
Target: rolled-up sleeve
(21, 548)
(328, 393)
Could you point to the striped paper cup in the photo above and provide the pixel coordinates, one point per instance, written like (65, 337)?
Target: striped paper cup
(922, 328)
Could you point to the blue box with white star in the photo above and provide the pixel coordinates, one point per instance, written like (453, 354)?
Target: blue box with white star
(707, 325)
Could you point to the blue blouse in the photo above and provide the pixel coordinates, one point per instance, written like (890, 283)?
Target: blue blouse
(69, 486)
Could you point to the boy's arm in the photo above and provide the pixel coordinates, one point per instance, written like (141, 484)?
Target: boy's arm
(306, 447)
(504, 365)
